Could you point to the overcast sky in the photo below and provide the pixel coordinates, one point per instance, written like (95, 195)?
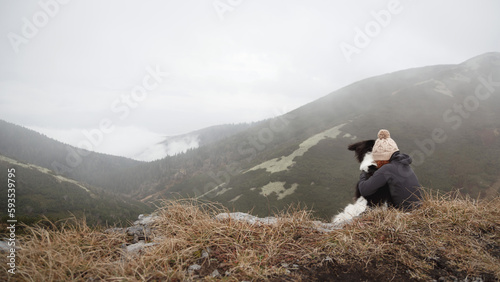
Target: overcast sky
(137, 70)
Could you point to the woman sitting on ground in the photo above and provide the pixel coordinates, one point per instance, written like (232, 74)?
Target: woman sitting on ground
(395, 171)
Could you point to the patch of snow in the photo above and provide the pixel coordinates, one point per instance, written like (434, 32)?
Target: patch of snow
(443, 89)
(348, 135)
(461, 77)
(219, 189)
(59, 178)
(284, 162)
(224, 190)
(423, 82)
(211, 191)
(235, 199)
(439, 86)
(288, 192)
(272, 187)
(396, 92)
(279, 189)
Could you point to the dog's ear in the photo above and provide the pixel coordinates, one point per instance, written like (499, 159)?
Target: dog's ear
(353, 147)
(370, 143)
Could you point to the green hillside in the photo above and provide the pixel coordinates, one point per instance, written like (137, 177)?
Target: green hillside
(32, 147)
(39, 192)
(435, 114)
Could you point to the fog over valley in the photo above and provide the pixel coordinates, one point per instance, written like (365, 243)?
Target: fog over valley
(147, 71)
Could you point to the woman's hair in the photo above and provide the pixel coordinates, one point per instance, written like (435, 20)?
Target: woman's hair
(381, 163)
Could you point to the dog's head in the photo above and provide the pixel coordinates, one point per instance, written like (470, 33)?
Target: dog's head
(361, 148)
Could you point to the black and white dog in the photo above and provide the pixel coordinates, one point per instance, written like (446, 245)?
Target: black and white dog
(363, 153)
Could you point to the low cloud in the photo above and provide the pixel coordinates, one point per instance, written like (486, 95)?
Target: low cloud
(261, 58)
(127, 141)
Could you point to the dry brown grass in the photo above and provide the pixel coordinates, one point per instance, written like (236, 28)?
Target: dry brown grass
(448, 235)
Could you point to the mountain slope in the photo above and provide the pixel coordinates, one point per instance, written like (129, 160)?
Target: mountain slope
(32, 147)
(38, 191)
(446, 117)
(117, 174)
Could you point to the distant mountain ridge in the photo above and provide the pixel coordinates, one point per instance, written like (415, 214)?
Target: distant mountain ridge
(446, 117)
(178, 144)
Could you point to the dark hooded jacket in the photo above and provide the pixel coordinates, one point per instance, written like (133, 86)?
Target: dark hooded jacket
(402, 181)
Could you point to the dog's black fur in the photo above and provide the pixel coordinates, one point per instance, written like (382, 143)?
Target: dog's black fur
(382, 195)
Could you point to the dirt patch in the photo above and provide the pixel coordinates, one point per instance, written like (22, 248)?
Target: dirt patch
(357, 272)
(386, 271)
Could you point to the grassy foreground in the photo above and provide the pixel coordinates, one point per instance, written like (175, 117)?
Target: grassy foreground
(447, 237)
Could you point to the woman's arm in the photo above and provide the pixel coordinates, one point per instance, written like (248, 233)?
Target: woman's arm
(369, 186)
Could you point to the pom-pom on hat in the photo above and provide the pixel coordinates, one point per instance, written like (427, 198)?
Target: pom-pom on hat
(384, 146)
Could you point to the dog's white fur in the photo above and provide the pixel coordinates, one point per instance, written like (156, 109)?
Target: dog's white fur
(361, 205)
(367, 162)
(351, 211)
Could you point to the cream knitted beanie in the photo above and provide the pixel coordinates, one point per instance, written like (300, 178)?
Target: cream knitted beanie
(384, 146)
